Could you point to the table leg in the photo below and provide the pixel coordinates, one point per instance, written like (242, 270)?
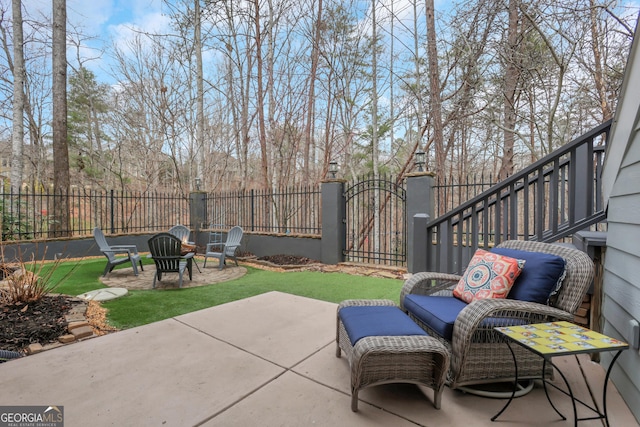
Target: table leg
(546, 390)
(196, 264)
(574, 399)
(515, 384)
(569, 392)
(604, 388)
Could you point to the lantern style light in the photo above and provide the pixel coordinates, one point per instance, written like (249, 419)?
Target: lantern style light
(198, 183)
(333, 168)
(420, 160)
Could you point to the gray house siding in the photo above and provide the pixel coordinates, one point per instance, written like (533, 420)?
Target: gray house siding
(621, 276)
(621, 303)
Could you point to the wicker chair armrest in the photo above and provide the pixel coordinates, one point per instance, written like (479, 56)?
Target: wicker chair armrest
(429, 283)
(476, 321)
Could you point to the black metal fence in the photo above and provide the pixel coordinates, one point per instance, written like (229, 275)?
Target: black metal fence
(30, 215)
(290, 210)
(297, 210)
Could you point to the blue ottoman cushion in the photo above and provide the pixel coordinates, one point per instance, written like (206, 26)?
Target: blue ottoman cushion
(371, 321)
(439, 312)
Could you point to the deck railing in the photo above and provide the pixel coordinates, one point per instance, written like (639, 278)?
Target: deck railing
(547, 201)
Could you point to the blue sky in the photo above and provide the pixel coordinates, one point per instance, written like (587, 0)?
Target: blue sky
(116, 20)
(113, 20)
(104, 21)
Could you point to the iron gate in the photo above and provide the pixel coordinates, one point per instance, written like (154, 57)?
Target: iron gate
(375, 221)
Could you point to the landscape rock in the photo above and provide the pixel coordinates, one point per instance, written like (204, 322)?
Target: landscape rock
(67, 338)
(82, 332)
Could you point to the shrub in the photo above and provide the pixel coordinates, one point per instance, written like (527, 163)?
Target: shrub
(31, 281)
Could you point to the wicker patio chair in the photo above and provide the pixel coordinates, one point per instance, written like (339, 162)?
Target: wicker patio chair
(111, 252)
(478, 354)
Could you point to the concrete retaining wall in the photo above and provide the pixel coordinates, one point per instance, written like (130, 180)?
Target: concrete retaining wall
(257, 244)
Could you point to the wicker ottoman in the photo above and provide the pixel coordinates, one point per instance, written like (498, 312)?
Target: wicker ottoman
(389, 348)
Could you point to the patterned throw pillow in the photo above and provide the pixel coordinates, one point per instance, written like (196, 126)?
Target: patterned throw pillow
(488, 275)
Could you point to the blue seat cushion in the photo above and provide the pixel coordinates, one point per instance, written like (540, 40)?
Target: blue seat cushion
(540, 278)
(439, 312)
(370, 321)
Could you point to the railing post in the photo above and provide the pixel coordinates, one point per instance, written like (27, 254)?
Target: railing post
(582, 162)
(420, 201)
(334, 234)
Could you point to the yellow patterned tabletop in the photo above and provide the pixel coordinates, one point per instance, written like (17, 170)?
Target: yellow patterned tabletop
(558, 338)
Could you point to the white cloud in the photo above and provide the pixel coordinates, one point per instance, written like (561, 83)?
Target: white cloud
(91, 15)
(142, 16)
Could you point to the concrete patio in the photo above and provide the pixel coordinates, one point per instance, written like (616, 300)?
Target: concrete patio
(268, 360)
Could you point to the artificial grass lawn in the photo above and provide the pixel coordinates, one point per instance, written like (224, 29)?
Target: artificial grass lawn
(142, 307)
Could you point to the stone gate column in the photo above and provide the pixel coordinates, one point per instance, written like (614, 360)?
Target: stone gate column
(198, 216)
(419, 209)
(334, 235)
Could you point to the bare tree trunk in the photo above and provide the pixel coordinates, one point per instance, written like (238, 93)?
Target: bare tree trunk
(374, 90)
(391, 80)
(260, 99)
(239, 86)
(512, 74)
(17, 136)
(435, 103)
(598, 73)
(60, 227)
(561, 57)
(418, 82)
(274, 175)
(200, 160)
(308, 131)
(374, 124)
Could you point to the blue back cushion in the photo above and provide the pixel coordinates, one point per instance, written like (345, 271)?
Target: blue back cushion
(439, 312)
(370, 321)
(540, 278)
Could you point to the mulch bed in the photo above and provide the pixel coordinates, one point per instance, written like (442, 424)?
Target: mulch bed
(287, 260)
(36, 322)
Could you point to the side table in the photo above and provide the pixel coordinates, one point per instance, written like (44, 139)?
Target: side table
(552, 339)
